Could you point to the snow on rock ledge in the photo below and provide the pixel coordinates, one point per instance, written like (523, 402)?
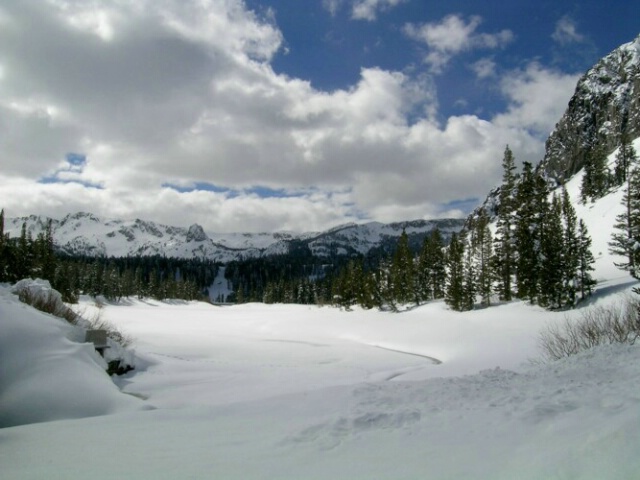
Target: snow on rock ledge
(38, 288)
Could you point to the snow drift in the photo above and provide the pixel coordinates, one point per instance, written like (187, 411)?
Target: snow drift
(45, 376)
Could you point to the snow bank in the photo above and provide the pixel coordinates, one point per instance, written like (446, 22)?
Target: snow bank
(38, 289)
(44, 376)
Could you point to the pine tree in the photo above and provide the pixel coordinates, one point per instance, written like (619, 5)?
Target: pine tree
(571, 253)
(585, 262)
(367, 291)
(454, 294)
(432, 267)
(595, 179)
(626, 240)
(438, 275)
(128, 282)
(24, 254)
(350, 284)
(403, 271)
(527, 236)
(504, 248)
(552, 250)
(625, 159)
(65, 282)
(469, 282)
(586, 187)
(483, 258)
(423, 286)
(48, 260)
(385, 292)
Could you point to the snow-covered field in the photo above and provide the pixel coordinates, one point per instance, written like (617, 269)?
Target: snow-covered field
(284, 391)
(259, 391)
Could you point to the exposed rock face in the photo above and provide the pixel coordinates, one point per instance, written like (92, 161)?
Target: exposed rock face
(605, 104)
(196, 234)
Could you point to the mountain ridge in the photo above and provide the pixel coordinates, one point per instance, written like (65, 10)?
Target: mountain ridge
(84, 233)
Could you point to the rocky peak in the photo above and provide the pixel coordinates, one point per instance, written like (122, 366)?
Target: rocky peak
(196, 234)
(605, 104)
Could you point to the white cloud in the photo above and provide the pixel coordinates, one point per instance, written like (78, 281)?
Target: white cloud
(368, 9)
(453, 35)
(332, 6)
(181, 91)
(484, 68)
(567, 32)
(538, 98)
(361, 9)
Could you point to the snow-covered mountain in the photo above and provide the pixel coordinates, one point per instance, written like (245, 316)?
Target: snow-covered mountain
(85, 234)
(605, 104)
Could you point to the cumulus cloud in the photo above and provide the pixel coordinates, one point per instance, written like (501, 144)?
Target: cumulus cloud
(453, 35)
(150, 94)
(567, 32)
(538, 97)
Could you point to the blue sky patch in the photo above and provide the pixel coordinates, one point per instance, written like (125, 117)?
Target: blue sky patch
(465, 205)
(196, 186)
(74, 166)
(76, 159)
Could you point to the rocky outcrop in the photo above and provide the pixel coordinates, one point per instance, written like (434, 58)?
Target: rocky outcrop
(605, 104)
(196, 234)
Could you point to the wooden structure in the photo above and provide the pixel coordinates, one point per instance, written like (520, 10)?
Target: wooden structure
(99, 340)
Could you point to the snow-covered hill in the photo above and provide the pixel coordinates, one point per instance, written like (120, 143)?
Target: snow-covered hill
(85, 234)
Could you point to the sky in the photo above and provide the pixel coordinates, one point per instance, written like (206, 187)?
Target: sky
(269, 115)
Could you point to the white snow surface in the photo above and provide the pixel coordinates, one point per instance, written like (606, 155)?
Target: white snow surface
(286, 391)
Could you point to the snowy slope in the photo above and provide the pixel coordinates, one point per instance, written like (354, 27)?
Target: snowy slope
(86, 234)
(288, 391)
(600, 218)
(45, 374)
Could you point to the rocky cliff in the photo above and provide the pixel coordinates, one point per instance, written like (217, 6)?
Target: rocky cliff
(606, 104)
